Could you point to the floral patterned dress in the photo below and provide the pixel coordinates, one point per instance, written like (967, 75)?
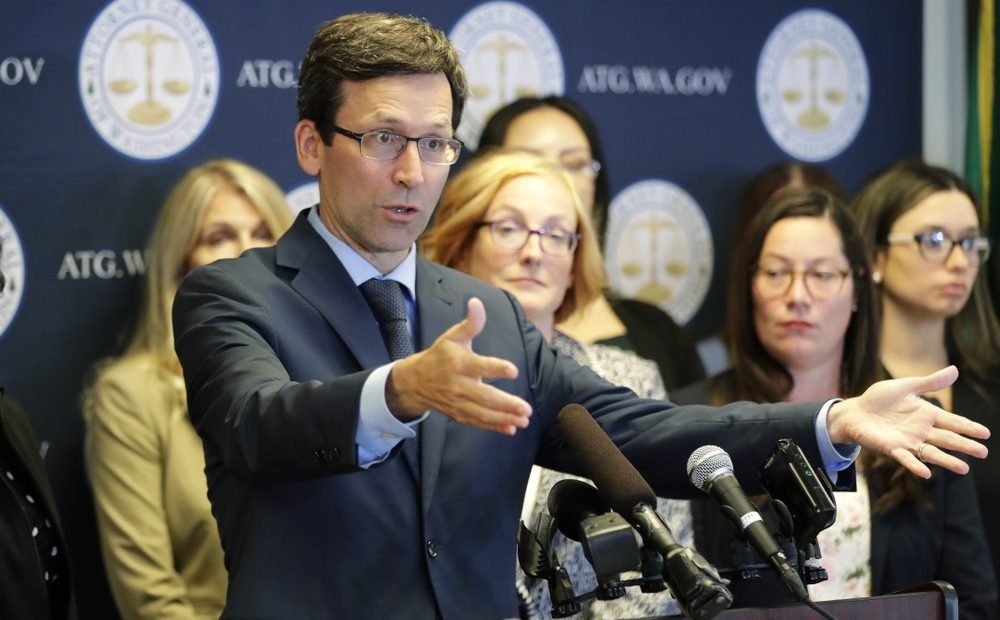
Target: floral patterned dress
(846, 548)
(620, 367)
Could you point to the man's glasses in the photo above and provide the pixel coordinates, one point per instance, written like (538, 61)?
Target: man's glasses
(384, 145)
(512, 235)
(936, 246)
(773, 281)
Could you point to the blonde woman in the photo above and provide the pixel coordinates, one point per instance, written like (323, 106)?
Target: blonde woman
(557, 128)
(515, 220)
(158, 538)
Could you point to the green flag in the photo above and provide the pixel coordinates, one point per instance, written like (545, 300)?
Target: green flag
(982, 144)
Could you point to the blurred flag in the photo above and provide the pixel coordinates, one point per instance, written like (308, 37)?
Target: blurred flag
(982, 144)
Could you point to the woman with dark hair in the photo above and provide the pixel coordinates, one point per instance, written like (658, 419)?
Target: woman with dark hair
(772, 181)
(561, 131)
(802, 325)
(765, 186)
(923, 230)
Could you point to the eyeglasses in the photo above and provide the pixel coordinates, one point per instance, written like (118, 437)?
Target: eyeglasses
(936, 246)
(512, 235)
(773, 281)
(384, 145)
(582, 167)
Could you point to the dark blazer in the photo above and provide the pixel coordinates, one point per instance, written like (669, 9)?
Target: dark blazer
(910, 545)
(23, 593)
(276, 346)
(654, 335)
(982, 404)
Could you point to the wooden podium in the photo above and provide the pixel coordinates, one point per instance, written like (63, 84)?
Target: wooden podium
(936, 600)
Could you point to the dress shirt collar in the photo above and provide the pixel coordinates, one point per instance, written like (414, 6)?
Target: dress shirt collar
(360, 269)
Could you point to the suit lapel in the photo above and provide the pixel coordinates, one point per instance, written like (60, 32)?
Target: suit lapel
(324, 283)
(438, 309)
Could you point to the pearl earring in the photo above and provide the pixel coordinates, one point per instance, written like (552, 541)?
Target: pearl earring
(877, 277)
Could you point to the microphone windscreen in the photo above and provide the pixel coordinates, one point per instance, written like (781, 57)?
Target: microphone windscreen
(706, 463)
(618, 481)
(570, 502)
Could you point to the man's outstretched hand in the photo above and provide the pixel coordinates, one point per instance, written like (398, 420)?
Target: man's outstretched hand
(448, 377)
(891, 418)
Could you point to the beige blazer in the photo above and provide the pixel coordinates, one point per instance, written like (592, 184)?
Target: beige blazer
(159, 540)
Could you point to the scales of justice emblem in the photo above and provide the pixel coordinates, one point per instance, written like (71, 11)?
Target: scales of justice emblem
(508, 53)
(645, 267)
(149, 80)
(500, 48)
(812, 85)
(813, 117)
(659, 247)
(123, 80)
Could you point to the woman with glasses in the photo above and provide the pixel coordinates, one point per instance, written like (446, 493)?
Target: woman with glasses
(146, 464)
(802, 325)
(558, 129)
(514, 219)
(923, 229)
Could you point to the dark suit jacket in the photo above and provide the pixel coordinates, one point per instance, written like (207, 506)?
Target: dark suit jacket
(910, 545)
(276, 346)
(23, 593)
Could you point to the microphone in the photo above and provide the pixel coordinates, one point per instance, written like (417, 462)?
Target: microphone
(607, 540)
(533, 554)
(570, 503)
(711, 470)
(698, 588)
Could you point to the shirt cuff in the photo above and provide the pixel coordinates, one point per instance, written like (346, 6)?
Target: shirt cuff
(378, 430)
(836, 458)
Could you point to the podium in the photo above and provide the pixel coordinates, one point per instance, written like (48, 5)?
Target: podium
(936, 600)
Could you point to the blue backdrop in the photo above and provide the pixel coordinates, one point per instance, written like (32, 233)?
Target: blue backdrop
(104, 105)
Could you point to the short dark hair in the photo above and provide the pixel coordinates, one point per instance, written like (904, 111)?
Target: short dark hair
(770, 181)
(495, 132)
(754, 371)
(365, 46)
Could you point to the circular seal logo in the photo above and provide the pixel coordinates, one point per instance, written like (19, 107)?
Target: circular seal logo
(303, 197)
(508, 52)
(659, 247)
(149, 78)
(12, 266)
(812, 85)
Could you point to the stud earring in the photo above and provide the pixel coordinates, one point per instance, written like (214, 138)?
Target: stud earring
(877, 277)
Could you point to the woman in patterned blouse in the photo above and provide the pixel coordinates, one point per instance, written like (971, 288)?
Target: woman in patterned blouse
(515, 220)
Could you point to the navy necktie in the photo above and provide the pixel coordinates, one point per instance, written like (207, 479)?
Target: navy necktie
(389, 306)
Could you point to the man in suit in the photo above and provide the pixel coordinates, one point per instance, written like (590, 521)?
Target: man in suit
(360, 471)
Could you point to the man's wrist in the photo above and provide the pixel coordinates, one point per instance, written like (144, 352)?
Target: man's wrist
(833, 428)
(394, 399)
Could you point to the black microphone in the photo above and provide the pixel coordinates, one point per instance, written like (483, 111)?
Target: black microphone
(711, 470)
(570, 502)
(697, 586)
(607, 540)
